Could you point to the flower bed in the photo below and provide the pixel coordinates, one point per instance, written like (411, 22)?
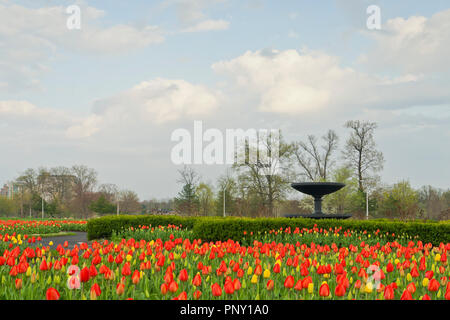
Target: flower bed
(167, 263)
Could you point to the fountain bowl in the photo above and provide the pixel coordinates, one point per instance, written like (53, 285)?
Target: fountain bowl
(318, 190)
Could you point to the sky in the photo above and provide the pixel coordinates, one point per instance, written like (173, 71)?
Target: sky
(110, 94)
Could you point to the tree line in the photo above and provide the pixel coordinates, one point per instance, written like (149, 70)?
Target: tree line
(63, 191)
(251, 189)
(247, 189)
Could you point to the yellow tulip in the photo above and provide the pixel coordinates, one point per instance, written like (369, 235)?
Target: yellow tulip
(368, 287)
(425, 282)
(249, 271)
(129, 257)
(437, 257)
(254, 279)
(266, 273)
(28, 272)
(310, 288)
(409, 277)
(50, 243)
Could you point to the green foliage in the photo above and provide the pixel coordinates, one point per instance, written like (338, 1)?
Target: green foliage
(102, 206)
(218, 228)
(233, 228)
(104, 227)
(8, 207)
(400, 201)
(187, 199)
(50, 208)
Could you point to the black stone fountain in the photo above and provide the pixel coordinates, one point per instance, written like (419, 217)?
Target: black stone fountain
(318, 190)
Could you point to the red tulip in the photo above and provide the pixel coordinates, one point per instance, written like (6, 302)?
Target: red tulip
(92, 271)
(426, 297)
(84, 274)
(340, 290)
(197, 281)
(388, 293)
(120, 288)
(126, 270)
(390, 267)
(197, 294)
(183, 275)
(298, 285)
(52, 294)
(411, 287)
(136, 277)
(324, 290)
(43, 266)
(406, 295)
(95, 291)
(229, 287)
(182, 296)
(433, 285)
(164, 289)
(237, 284)
(270, 285)
(216, 290)
(447, 295)
(276, 268)
(173, 287)
(289, 282)
(18, 284)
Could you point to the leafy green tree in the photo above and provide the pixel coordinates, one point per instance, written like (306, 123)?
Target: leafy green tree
(8, 207)
(206, 199)
(341, 201)
(267, 183)
(51, 208)
(102, 206)
(400, 201)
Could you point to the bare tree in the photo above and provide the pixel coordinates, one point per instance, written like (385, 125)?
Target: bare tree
(85, 180)
(110, 191)
(360, 151)
(316, 161)
(129, 202)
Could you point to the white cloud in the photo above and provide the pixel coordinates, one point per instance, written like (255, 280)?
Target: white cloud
(413, 45)
(21, 109)
(156, 102)
(208, 25)
(29, 38)
(292, 82)
(289, 81)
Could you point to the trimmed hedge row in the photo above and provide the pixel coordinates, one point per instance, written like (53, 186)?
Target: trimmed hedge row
(219, 228)
(103, 227)
(233, 228)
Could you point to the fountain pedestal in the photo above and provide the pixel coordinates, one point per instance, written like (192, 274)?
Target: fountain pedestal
(318, 190)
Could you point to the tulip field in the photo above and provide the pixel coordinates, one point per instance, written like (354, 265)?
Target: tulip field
(165, 262)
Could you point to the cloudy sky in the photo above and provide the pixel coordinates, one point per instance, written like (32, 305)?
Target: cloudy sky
(110, 94)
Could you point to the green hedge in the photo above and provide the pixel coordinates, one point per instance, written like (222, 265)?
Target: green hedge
(103, 227)
(233, 228)
(218, 228)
